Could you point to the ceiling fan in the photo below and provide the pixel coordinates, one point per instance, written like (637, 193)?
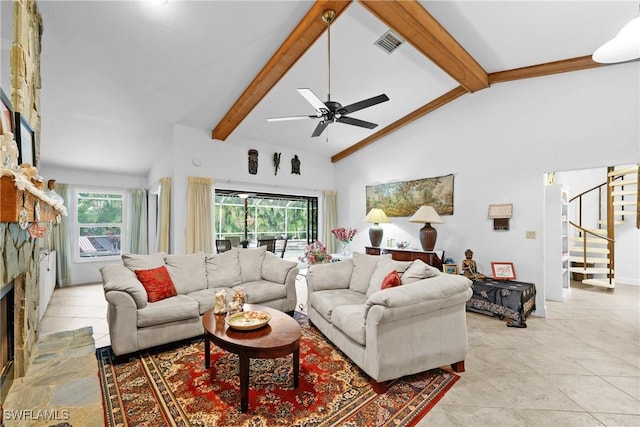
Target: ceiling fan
(330, 111)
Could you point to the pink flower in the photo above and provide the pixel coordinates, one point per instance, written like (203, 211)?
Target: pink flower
(344, 234)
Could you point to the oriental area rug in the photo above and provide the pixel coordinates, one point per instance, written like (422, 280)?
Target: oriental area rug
(170, 386)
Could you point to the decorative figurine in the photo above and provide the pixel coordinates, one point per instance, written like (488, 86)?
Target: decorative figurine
(237, 301)
(253, 161)
(221, 302)
(9, 151)
(469, 267)
(276, 161)
(295, 165)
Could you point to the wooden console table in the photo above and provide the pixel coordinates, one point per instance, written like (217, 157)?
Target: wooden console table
(433, 258)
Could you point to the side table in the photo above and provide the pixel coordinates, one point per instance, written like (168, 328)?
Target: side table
(504, 298)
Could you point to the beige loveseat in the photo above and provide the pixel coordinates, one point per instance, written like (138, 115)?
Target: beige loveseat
(135, 323)
(389, 333)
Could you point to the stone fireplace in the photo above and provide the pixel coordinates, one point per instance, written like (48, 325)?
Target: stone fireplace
(19, 270)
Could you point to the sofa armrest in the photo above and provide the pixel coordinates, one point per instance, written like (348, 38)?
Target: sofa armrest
(117, 277)
(421, 297)
(290, 285)
(335, 275)
(122, 315)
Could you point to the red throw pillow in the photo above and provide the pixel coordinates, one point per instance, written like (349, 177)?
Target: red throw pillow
(157, 283)
(391, 280)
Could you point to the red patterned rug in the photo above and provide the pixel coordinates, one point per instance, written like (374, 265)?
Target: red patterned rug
(170, 386)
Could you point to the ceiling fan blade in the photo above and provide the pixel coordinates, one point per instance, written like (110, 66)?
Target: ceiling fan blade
(363, 104)
(282, 119)
(313, 100)
(356, 122)
(320, 128)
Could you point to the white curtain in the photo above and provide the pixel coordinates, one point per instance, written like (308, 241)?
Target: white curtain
(199, 215)
(61, 240)
(138, 222)
(164, 211)
(330, 220)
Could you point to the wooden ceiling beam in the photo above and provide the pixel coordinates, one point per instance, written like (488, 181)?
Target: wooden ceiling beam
(416, 114)
(539, 70)
(414, 24)
(301, 38)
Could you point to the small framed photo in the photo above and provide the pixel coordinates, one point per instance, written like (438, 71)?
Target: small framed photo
(26, 141)
(450, 268)
(6, 114)
(503, 270)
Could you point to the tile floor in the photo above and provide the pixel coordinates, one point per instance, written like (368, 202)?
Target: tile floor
(580, 366)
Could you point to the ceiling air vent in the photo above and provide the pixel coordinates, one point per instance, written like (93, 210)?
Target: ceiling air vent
(389, 41)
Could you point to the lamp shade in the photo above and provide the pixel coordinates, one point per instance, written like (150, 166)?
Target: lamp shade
(428, 234)
(426, 214)
(376, 216)
(623, 47)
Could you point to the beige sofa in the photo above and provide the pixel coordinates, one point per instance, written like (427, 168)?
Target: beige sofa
(390, 333)
(135, 323)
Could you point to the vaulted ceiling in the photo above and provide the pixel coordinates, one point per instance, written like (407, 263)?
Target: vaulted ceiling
(117, 76)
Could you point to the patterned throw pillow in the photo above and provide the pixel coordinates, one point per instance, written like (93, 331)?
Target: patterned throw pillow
(157, 283)
(391, 280)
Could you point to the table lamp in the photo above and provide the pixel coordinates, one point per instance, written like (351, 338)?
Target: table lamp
(428, 234)
(376, 216)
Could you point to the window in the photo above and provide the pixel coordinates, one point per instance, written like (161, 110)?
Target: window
(99, 224)
(267, 215)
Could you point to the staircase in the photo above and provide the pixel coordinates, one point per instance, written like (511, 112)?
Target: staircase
(592, 252)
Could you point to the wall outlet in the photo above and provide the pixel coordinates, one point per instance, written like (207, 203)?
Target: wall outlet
(531, 235)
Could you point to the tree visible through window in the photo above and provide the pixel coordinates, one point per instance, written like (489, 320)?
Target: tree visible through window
(268, 216)
(100, 224)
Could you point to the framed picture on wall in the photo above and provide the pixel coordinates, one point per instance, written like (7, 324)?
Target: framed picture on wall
(26, 140)
(503, 270)
(6, 114)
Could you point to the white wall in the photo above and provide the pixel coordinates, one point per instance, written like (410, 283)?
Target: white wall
(226, 163)
(498, 143)
(89, 272)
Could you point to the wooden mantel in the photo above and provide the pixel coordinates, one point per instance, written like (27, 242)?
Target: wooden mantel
(19, 192)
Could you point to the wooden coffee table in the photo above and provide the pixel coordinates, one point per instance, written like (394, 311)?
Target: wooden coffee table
(280, 337)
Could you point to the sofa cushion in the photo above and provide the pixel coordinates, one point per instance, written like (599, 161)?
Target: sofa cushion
(188, 272)
(174, 309)
(157, 282)
(143, 262)
(391, 280)
(261, 291)
(251, 263)
(418, 271)
(117, 277)
(350, 319)
(334, 275)
(363, 267)
(223, 270)
(275, 269)
(206, 298)
(383, 268)
(324, 302)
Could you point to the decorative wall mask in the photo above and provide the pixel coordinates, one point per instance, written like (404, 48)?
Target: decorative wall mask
(295, 165)
(253, 161)
(276, 162)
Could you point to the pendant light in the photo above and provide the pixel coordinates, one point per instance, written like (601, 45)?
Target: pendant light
(625, 46)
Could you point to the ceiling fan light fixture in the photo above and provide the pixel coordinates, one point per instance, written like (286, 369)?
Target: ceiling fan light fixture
(625, 46)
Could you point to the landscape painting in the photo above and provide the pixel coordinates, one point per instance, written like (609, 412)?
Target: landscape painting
(404, 198)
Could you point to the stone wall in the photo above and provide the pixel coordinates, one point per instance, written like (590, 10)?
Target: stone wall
(25, 64)
(20, 264)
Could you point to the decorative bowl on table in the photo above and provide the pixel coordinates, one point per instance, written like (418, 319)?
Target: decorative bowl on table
(403, 244)
(248, 320)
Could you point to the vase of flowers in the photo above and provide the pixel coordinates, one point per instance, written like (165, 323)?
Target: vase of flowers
(316, 253)
(345, 236)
